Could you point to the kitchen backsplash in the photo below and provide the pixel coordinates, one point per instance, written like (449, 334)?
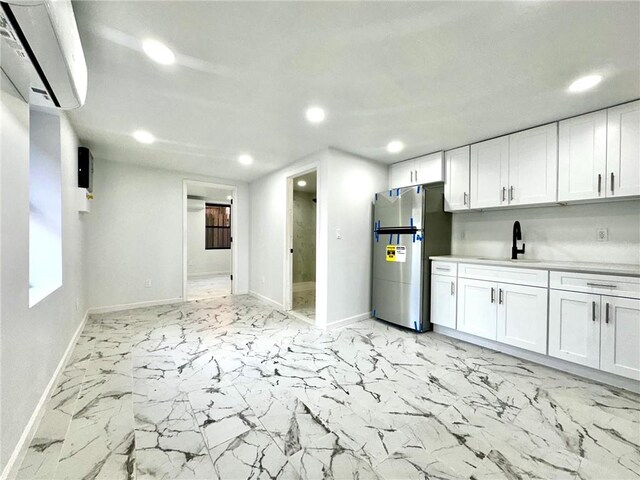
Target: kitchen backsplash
(554, 233)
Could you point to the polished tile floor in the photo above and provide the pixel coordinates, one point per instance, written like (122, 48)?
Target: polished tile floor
(199, 288)
(304, 301)
(230, 388)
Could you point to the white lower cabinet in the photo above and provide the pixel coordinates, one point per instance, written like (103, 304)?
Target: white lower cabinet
(477, 308)
(574, 327)
(443, 301)
(597, 331)
(522, 317)
(620, 336)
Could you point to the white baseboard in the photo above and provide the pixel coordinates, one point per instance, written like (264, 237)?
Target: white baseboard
(20, 450)
(347, 321)
(547, 361)
(131, 306)
(206, 274)
(304, 286)
(266, 299)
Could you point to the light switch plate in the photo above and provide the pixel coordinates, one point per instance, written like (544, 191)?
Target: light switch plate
(603, 234)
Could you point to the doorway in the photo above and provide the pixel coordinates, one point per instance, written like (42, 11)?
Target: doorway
(303, 241)
(207, 241)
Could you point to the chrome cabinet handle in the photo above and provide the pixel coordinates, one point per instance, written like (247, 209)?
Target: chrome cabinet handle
(511, 193)
(493, 295)
(603, 285)
(504, 193)
(606, 313)
(416, 175)
(464, 198)
(611, 182)
(411, 176)
(453, 288)
(444, 269)
(599, 183)
(593, 311)
(500, 296)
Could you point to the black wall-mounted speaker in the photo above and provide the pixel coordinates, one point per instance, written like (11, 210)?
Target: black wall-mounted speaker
(85, 169)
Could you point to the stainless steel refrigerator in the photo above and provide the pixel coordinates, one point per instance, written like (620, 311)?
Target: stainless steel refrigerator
(410, 225)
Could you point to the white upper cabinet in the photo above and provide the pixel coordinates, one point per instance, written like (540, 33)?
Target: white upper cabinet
(489, 173)
(623, 150)
(429, 168)
(401, 174)
(533, 166)
(456, 191)
(582, 157)
(417, 171)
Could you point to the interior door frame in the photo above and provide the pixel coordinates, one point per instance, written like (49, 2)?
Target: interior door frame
(234, 231)
(288, 258)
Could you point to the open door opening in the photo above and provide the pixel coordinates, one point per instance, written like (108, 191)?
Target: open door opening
(303, 242)
(208, 241)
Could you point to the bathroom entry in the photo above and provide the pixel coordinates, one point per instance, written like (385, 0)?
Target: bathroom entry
(303, 241)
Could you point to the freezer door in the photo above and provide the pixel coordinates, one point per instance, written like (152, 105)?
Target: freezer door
(397, 280)
(400, 207)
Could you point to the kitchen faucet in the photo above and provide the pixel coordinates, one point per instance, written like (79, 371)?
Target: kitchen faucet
(517, 235)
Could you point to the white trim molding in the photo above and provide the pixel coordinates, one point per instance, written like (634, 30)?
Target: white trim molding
(346, 321)
(266, 300)
(20, 450)
(131, 306)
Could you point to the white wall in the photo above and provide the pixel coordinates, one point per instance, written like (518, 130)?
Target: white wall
(345, 189)
(268, 229)
(199, 260)
(352, 182)
(135, 234)
(33, 341)
(554, 233)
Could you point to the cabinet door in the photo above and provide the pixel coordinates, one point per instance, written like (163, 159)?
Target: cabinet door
(402, 174)
(443, 301)
(489, 173)
(522, 317)
(429, 168)
(582, 157)
(456, 191)
(574, 327)
(533, 166)
(623, 150)
(477, 307)
(620, 345)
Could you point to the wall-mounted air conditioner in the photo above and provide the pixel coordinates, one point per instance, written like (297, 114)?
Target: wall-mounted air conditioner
(41, 52)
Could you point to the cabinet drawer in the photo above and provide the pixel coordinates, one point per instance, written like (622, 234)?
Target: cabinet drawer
(599, 284)
(448, 269)
(520, 276)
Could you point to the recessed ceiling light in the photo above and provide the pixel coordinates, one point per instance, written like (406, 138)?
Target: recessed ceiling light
(395, 146)
(158, 52)
(585, 83)
(302, 183)
(143, 136)
(315, 114)
(245, 159)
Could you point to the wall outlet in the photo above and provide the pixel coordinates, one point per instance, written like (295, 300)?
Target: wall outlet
(338, 234)
(147, 283)
(77, 304)
(603, 235)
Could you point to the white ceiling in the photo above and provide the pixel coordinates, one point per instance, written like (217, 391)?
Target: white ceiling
(435, 75)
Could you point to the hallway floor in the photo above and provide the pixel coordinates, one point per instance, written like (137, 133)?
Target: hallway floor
(304, 302)
(231, 388)
(210, 286)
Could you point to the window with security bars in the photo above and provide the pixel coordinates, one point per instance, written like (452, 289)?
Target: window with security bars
(217, 227)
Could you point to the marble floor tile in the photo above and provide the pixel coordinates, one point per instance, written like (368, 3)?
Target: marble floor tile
(209, 286)
(232, 388)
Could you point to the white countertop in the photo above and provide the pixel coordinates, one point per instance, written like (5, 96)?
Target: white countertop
(604, 268)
